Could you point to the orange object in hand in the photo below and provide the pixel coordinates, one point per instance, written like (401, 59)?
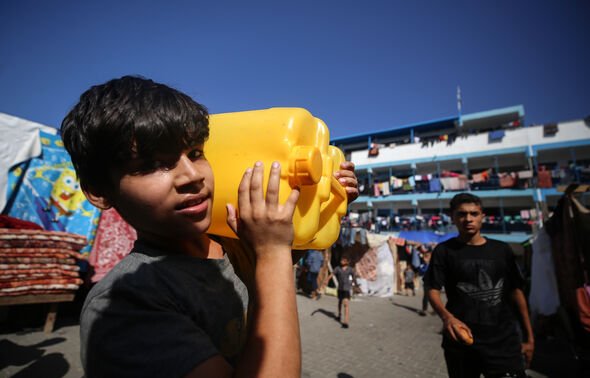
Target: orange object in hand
(463, 335)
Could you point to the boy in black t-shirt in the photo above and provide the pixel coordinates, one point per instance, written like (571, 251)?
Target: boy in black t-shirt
(482, 283)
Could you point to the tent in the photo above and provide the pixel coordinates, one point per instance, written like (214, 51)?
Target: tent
(426, 237)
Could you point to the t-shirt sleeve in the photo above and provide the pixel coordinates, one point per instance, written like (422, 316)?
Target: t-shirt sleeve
(138, 336)
(515, 276)
(435, 276)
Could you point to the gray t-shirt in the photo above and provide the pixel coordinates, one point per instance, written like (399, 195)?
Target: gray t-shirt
(408, 275)
(158, 315)
(345, 277)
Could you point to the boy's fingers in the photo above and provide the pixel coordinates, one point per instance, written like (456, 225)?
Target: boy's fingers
(347, 181)
(244, 192)
(347, 165)
(256, 193)
(289, 206)
(344, 173)
(232, 218)
(452, 333)
(351, 190)
(272, 192)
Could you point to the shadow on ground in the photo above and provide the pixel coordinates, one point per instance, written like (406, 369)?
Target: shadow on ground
(43, 365)
(329, 314)
(409, 308)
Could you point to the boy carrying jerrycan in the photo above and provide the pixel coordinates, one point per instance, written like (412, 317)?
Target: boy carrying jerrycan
(176, 306)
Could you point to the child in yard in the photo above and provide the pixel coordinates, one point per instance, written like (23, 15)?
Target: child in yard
(345, 276)
(409, 280)
(174, 306)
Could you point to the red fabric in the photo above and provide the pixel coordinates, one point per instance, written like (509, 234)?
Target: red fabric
(26, 266)
(34, 292)
(10, 222)
(366, 267)
(40, 252)
(544, 179)
(114, 239)
(507, 180)
(35, 260)
(35, 255)
(42, 281)
(22, 290)
(23, 274)
(13, 238)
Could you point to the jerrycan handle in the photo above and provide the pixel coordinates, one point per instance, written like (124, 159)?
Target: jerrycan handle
(337, 189)
(305, 166)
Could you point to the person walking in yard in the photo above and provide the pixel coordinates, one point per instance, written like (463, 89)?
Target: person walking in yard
(345, 276)
(426, 255)
(409, 280)
(313, 263)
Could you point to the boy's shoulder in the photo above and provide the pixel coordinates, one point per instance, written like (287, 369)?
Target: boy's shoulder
(494, 243)
(149, 269)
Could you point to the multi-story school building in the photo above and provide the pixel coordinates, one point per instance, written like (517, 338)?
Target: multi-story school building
(407, 175)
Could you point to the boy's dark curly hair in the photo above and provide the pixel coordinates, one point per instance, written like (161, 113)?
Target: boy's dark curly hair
(129, 117)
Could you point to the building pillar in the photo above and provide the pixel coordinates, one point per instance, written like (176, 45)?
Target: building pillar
(502, 215)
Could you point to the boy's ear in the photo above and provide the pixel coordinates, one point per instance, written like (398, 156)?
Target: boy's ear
(97, 200)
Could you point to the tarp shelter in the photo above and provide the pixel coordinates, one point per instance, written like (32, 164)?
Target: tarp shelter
(43, 189)
(426, 237)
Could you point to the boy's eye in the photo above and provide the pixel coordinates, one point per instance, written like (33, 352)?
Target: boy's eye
(195, 154)
(149, 166)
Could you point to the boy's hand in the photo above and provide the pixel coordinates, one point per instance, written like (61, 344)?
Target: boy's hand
(263, 223)
(348, 180)
(528, 349)
(453, 326)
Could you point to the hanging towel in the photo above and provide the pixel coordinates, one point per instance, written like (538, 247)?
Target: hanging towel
(376, 189)
(525, 174)
(544, 296)
(20, 142)
(434, 185)
(550, 129)
(496, 135)
(415, 258)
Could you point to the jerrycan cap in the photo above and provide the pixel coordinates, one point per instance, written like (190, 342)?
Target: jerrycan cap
(305, 166)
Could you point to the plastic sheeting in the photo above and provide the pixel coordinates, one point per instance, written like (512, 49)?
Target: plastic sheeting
(544, 296)
(20, 142)
(44, 190)
(426, 236)
(381, 280)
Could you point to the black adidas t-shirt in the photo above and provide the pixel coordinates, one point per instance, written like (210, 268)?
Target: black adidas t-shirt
(478, 280)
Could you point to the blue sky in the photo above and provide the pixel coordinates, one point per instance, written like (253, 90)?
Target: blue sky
(358, 65)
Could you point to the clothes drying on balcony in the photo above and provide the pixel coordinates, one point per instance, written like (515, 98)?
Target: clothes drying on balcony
(454, 183)
(550, 129)
(434, 185)
(544, 178)
(481, 176)
(507, 179)
(496, 135)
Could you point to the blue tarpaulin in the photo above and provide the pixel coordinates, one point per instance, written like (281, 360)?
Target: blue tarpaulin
(45, 191)
(426, 236)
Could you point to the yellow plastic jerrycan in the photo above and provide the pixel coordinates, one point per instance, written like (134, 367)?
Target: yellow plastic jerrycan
(297, 140)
